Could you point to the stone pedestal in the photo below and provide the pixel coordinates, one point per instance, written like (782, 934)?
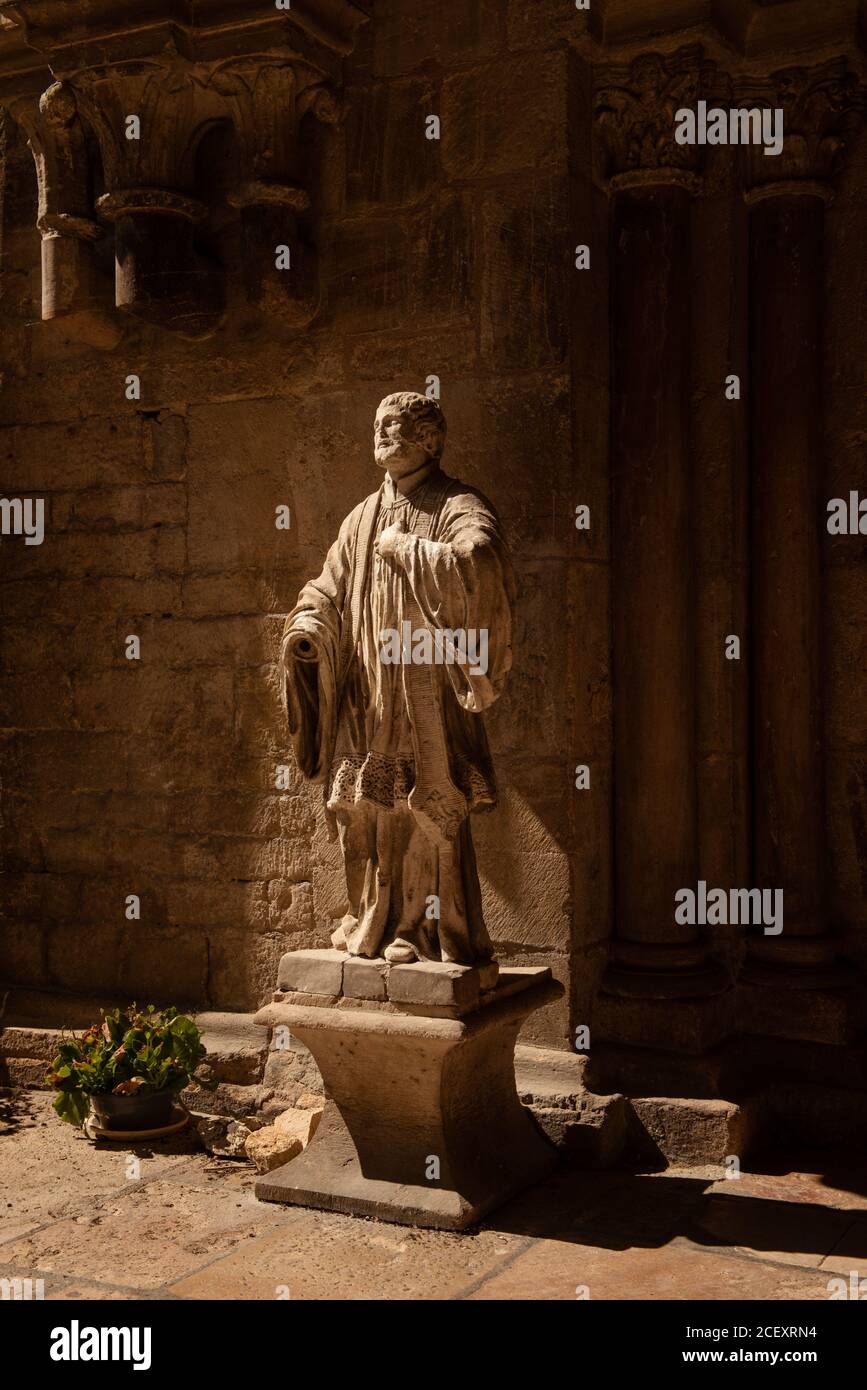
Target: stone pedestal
(423, 1124)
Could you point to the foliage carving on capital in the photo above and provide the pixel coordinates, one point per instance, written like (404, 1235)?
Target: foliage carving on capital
(823, 111)
(268, 97)
(172, 105)
(634, 113)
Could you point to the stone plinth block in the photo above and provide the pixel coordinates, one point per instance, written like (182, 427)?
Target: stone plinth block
(423, 1125)
(312, 972)
(364, 979)
(426, 982)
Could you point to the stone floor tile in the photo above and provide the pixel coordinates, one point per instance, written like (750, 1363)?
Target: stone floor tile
(322, 1255)
(48, 1169)
(830, 1184)
(850, 1253)
(143, 1238)
(789, 1232)
(562, 1270)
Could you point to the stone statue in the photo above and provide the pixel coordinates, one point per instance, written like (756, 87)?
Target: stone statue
(388, 660)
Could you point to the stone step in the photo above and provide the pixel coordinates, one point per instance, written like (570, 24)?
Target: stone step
(32, 1024)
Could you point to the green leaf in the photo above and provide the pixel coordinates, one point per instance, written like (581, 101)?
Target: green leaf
(72, 1107)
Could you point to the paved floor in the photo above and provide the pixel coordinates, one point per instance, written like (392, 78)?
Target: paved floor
(177, 1224)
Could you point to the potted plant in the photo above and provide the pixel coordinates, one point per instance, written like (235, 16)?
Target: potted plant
(126, 1069)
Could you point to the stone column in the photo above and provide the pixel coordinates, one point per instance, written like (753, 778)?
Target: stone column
(651, 180)
(787, 196)
(786, 226)
(654, 725)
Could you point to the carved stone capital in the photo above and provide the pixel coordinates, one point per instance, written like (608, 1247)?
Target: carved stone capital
(268, 99)
(72, 288)
(823, 110)
(172, 104)
(634, 114)
(58, 143)
(268, 96)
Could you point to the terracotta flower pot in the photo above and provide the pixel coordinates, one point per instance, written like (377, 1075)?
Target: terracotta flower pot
(133, 1112)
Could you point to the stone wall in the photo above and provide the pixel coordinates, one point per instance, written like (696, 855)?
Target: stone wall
(451, 258)
(156, 777)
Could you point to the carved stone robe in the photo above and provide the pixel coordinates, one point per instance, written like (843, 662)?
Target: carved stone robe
(400, 748)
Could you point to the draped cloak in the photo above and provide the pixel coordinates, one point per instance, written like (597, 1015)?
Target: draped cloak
(356, 720)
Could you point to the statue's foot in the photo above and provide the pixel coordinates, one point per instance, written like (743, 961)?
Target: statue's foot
(400, 953)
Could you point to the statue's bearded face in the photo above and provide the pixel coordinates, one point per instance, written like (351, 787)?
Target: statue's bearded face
(397, 444)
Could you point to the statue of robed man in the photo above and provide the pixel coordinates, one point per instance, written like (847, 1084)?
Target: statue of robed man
(389, 659)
